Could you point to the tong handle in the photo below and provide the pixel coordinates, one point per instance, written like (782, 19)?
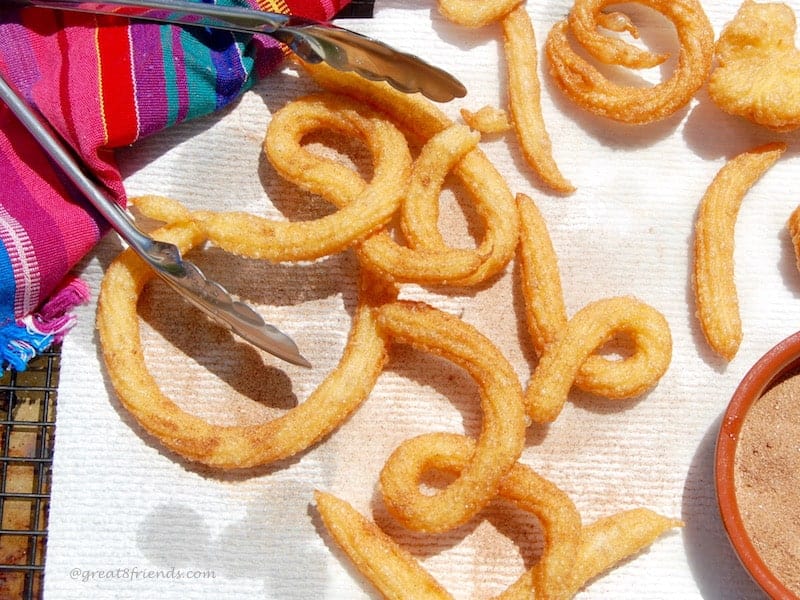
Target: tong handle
(313, 41)
(214, 16)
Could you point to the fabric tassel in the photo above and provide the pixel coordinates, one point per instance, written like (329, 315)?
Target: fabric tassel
(26, 338)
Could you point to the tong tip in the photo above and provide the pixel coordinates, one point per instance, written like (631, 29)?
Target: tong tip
(301, 361)
(273, 340)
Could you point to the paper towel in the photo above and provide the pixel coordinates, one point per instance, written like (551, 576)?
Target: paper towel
(131, 520)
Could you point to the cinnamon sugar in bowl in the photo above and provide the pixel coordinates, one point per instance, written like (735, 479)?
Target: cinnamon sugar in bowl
(757, 470)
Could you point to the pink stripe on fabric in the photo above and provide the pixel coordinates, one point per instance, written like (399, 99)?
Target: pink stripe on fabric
(73, 105)
(62, 229)
(23, 261)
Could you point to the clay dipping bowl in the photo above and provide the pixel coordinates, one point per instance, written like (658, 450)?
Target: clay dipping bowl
(775, 366)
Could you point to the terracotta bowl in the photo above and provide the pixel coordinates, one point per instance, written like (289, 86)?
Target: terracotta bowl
(778, 363)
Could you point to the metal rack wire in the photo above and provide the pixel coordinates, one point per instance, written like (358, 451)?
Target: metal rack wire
(27, 430)
(358, 9)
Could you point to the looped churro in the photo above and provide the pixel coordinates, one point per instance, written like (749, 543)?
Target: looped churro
(566, 347)
(420, 120)
(428, 260)
(231, 446)
(590, 329)
(499, 443)
(590, 89)
(572, 554)
(358, 215)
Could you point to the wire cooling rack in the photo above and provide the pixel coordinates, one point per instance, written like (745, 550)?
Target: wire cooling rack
(27, 429)
(27, 432)
(358, 9)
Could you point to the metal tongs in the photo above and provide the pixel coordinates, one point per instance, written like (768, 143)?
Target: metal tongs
(312, 41)
(164, 258)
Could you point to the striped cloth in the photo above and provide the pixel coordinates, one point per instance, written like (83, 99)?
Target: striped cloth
(103, 83)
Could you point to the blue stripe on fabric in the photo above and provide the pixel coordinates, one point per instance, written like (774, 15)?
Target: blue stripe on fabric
(8, 288)
(215, 70)
(18, 345)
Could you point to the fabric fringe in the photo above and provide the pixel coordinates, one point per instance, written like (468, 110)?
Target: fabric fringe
(23, 339)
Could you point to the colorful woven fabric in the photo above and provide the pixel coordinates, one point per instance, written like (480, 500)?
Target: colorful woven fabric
(103, 83)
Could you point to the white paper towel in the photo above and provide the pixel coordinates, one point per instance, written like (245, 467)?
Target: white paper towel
(130, 520)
